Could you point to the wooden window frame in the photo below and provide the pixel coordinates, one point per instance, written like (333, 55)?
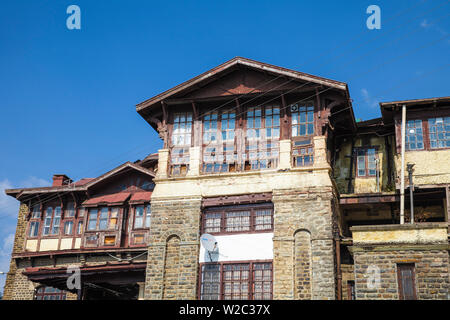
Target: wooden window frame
(52, 222)
(309, 103)
(183, 167)
(423, 115)
(220, 144)
(61, 294)
(272, 162)
(429, 133)
(250, 282)
(223, 210)
(144, 216)
(399, 280)
(108, 219)
(306, 144)
(366, 161)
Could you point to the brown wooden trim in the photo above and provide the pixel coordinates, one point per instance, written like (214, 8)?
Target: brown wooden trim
(237, 199)
(366, 161)
(252, 208)
(250, 279)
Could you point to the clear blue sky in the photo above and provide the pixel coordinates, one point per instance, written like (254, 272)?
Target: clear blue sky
(68, 96)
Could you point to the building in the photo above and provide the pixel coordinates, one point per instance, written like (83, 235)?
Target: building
(303, 201)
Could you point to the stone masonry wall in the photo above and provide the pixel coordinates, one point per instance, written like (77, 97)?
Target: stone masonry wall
(13, 278)
(431, 273)
(172, 265)
(308, 211)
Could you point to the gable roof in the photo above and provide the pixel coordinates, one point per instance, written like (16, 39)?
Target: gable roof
(82, 184)
(214, 72)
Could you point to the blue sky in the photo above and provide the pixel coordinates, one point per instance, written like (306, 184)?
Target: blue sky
(68, 96)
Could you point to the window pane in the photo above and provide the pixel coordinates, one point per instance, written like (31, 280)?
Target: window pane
(48, 220)
(70, 209)
(103, 221)
(148, 213)
(139, 216)
(414, 135)
(92, 223)
(56, 221)
(80, 227)
(68, 226)
(442, 128)
(36, 211)
(237, 221)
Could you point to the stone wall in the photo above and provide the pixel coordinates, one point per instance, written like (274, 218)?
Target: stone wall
(173, 254)
(347, 271)
(19, 240)
(431, 273)
(303, 225)
(380, 249)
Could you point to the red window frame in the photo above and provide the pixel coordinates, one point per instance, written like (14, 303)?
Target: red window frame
(255, 276)
(221, 212)
(366, 161)
(49, 293)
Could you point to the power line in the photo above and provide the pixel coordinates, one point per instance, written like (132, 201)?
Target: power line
(264, 93)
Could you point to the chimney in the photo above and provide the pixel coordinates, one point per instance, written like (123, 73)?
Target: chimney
(60, 180)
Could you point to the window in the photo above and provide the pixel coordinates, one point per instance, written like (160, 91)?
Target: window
(210, 282)
(439, 132)
(147, 216)
(228, 126)
(70, 210)
(414, 135)
(142, 217)
(303, 153)
(237, 221)
(366, 163)
(263, 219)
(52, 220)
(272, 122)
(218, 143)
(181, 140)
(48, 220)
(210, 128)
(263, 133)
(56, 221)
(245, 218)
(254, 123)
(80, 227)
(113, 219)
(92, 219)
(68, 227)
(179, 158)
(103, 220)
(236, 281)
(406, 281)
(33, 230)
(36, 212)
(302, 119)
(49, 293)
(139, 217)
(107, 218)
(182, 129)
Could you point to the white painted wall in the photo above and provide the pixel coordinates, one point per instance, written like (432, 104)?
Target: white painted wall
(239, 247)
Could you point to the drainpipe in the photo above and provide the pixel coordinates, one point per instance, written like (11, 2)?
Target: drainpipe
(402, 172)
(411, 189)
